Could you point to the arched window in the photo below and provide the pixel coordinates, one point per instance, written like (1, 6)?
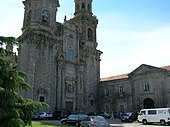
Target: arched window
(28, 19)
(45, 16)
(78, 7)
(90, 34)
(89, 8)
(83, 6)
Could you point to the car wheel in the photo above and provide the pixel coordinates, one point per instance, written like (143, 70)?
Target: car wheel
(144, 121)
(64, 122)
(162, 122)
(130, 120)
(77, 125)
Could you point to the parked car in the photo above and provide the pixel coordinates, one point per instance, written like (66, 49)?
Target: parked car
(154, 115)
(94, 121)
(92, 114)
(115, 114)
(105, 115)
(60, 114)
(36, 116)
(129, 117)
(74, 119)
(45, 115)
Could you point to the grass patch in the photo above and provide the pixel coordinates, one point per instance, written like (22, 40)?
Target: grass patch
(42, 124)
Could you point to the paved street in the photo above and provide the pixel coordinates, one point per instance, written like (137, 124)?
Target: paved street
(118, 123)
(113, 123)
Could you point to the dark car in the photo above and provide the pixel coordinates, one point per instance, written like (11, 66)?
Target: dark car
(115, 114)
(94, 121)
(129, 117)
(36, 116)
(105, 115)
(61, 114)
(74, 119)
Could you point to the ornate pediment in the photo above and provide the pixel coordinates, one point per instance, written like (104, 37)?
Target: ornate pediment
(146, 69)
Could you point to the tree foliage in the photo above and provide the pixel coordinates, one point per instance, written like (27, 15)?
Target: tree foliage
(15, 110)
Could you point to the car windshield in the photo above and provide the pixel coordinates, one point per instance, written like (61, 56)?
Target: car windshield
(127, 114)
(99, 118)
(73, 117)
(82, 116)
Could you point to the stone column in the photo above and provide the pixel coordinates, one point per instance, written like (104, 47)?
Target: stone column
(58, 98)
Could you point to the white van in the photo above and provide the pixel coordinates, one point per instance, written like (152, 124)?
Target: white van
(155, 115)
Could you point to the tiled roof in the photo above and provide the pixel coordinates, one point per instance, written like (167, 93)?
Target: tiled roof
(166, 67)
(114, 77)
(124, 76)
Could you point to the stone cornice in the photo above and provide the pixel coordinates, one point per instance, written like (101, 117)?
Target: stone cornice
(33, 34)
(85, 17)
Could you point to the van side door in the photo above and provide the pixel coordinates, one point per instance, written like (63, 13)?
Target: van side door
(152, 116)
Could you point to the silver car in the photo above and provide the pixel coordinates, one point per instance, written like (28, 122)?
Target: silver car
(94, 121)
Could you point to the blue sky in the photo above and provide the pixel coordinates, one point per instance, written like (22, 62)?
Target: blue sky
(130, 32)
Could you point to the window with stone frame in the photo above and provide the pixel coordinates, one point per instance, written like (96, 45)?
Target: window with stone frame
(90, 34)
(70, 88)
(78, 7)
(92, 102)
(120, 90)
(146, 86)
(28, 18)
(107, 92)
(106, 108)
(89, 7)
(70, 54)
(42, 99)
(83, 6)
(122, 108)
(45, 16)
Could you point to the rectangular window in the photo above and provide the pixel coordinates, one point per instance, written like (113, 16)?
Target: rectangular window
(70, 55)
(92, 103)
(146, 87)
(151, 112)
(122, 108)
(107, 92)
(121, 90)
(42, 99)
(160, 112)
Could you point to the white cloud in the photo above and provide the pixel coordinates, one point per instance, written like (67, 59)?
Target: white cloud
(128, 49)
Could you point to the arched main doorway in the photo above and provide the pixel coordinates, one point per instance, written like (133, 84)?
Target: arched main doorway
(148, 103)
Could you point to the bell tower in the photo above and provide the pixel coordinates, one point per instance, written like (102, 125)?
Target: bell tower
(89, 56)
(83, 6)
(87, 22)
(37, 50)
(40, 13)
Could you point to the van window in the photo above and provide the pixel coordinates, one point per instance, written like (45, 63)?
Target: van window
(151, 112)
(143, 112)
(161, 112)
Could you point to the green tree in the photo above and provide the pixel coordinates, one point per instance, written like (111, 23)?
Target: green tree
(15, 110)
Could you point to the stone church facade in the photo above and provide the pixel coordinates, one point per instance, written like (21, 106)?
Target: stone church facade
(61, 59)
(63, 65)
(145, 87)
